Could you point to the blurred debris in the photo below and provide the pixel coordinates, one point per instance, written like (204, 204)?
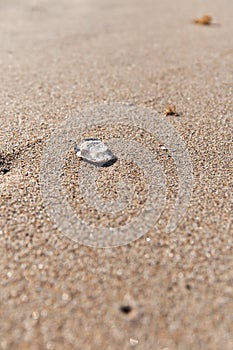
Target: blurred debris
(170, 110)
(133, 342)
(204, 20)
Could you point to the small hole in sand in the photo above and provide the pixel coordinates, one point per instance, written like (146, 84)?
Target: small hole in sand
(126, 309)
(5, 171)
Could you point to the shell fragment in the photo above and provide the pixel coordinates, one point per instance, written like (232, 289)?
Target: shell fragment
(95, 151)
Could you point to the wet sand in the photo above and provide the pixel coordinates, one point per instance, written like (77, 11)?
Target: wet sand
(167, 291)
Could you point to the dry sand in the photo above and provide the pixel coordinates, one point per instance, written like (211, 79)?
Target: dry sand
(62, 56)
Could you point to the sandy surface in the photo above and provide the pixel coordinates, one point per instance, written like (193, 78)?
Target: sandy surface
(58, 57)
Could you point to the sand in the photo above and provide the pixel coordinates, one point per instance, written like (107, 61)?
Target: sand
(165, 291)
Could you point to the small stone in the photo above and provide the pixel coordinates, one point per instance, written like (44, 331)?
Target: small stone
(163, 148)
(95, 151)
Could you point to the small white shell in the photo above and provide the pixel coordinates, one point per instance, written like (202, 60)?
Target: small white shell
(95, 152)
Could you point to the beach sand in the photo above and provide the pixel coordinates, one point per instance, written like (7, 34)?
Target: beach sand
(165, 291)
